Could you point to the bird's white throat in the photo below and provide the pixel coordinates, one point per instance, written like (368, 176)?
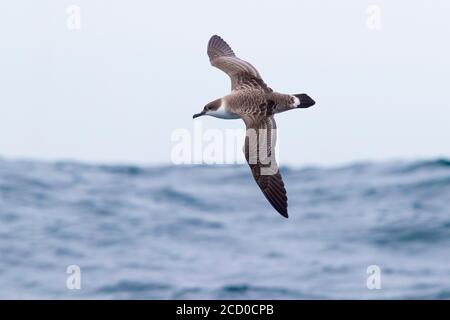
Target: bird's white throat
(222, 112)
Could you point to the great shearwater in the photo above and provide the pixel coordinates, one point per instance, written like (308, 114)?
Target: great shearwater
(256, 104)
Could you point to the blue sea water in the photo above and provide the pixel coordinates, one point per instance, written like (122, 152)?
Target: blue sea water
(196, 232)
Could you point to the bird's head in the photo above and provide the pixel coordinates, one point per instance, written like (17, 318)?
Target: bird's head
(210, 108)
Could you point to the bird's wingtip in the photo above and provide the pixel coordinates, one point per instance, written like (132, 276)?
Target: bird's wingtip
(284, 213)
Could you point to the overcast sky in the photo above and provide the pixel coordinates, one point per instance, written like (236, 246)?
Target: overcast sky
(115, 90)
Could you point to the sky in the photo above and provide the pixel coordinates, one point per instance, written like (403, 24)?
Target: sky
(114, 83)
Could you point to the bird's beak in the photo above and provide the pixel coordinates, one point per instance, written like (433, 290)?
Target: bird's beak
(198, 115)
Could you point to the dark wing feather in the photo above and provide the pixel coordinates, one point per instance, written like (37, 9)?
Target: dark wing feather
(242, 74)
(259, 150)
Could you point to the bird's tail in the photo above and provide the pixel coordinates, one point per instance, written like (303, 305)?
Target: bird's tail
(304, 101)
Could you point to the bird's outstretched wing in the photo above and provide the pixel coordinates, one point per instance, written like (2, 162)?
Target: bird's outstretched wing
(259, 150)
(242, 74)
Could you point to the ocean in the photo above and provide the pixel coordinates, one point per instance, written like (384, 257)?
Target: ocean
(207, 232)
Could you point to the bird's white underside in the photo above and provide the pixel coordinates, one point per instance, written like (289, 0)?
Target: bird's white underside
(222, 112)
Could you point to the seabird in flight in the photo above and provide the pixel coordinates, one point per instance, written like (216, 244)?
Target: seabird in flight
(256, 104)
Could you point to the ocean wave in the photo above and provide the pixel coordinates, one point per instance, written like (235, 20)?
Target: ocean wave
(410, 234)
(172, 196)
(195, 232)
(415, 166)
